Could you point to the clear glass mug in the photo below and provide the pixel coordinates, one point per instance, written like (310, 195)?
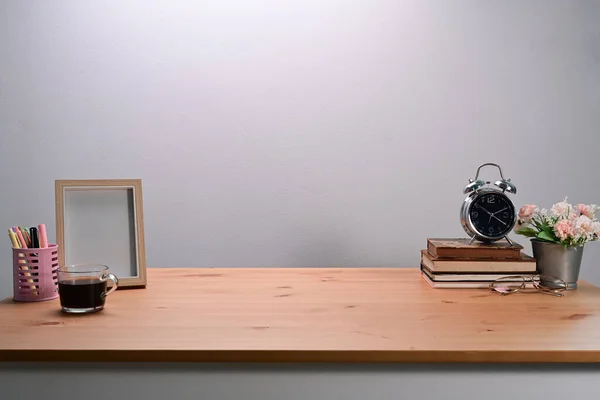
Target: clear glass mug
(82, 288)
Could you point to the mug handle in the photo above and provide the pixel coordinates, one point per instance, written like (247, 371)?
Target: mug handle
(115, 284)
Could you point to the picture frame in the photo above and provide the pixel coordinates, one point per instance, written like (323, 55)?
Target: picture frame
(101, 221)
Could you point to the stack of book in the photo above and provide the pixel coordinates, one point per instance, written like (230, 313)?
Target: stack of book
(454, 263)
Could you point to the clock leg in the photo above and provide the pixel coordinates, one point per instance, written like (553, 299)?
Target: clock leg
(509, 241)
(472, 240)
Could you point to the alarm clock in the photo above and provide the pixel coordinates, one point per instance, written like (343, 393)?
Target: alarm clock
(488, 214)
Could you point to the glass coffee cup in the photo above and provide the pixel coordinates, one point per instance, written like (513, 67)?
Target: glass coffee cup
(82, 288)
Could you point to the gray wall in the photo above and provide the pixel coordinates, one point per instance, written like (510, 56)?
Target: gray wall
(301, 132)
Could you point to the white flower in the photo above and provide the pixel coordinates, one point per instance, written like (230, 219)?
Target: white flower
(562, 209)
(546, 217)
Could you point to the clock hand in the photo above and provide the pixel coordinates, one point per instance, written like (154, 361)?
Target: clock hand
(478, 205)
(492, 215)
(505, 208)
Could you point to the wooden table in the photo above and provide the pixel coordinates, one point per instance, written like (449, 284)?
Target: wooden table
(307, 315)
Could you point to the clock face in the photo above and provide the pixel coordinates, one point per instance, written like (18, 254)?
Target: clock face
(492, 214)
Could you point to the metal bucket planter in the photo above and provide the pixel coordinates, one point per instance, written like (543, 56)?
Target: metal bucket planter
(554, 260)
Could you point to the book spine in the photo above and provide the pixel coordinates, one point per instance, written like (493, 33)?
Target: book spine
(431, 250)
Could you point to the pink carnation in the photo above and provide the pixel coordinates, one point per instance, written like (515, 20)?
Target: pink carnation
(563, 229)
(596, 228)
(582, 228)
(568, 224)
(586, 210)
(526, 212)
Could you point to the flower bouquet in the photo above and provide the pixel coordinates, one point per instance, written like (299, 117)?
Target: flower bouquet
(565, 224)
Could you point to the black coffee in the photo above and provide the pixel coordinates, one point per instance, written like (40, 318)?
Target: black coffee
(82, 293)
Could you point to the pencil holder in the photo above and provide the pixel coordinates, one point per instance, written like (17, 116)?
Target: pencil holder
(35, 273)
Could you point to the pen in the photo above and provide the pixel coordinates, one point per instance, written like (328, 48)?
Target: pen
(14, 229)
(13, 239)
(35, 242)
(26, 236)
(43, 236)
(15, 243)
(21, 239)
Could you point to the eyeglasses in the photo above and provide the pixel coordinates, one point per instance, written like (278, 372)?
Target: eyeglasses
(529, 284)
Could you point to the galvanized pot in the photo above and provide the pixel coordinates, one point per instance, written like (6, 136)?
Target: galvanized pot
(554, 260)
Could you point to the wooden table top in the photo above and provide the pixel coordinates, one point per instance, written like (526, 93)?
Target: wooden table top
(307, 315)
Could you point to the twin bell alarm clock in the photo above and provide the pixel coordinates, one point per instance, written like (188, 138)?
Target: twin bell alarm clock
(488, 214)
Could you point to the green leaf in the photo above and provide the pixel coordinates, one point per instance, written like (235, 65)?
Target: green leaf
(547, 227)
(548, 230)
(544, 235)
(528, 232)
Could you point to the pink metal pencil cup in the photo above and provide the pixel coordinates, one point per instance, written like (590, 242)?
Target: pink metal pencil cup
(35, 273)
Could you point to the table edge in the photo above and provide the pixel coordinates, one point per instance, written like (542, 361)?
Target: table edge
(301, 356)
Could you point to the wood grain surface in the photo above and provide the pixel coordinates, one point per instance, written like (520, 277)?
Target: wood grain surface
(307, 315)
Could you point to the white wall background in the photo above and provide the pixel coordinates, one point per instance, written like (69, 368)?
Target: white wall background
(297, 133)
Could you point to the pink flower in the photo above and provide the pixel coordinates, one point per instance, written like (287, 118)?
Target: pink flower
(571, 225)
(586, 210)
(563, 229)
(526, 212)
(596, 228)
(582, 228)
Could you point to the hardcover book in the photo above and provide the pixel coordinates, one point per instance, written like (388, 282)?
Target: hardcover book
(471, 276)
(460, 285)
(460, 248)
(523, 264)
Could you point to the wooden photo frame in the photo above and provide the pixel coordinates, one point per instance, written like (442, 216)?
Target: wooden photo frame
(101, 221)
